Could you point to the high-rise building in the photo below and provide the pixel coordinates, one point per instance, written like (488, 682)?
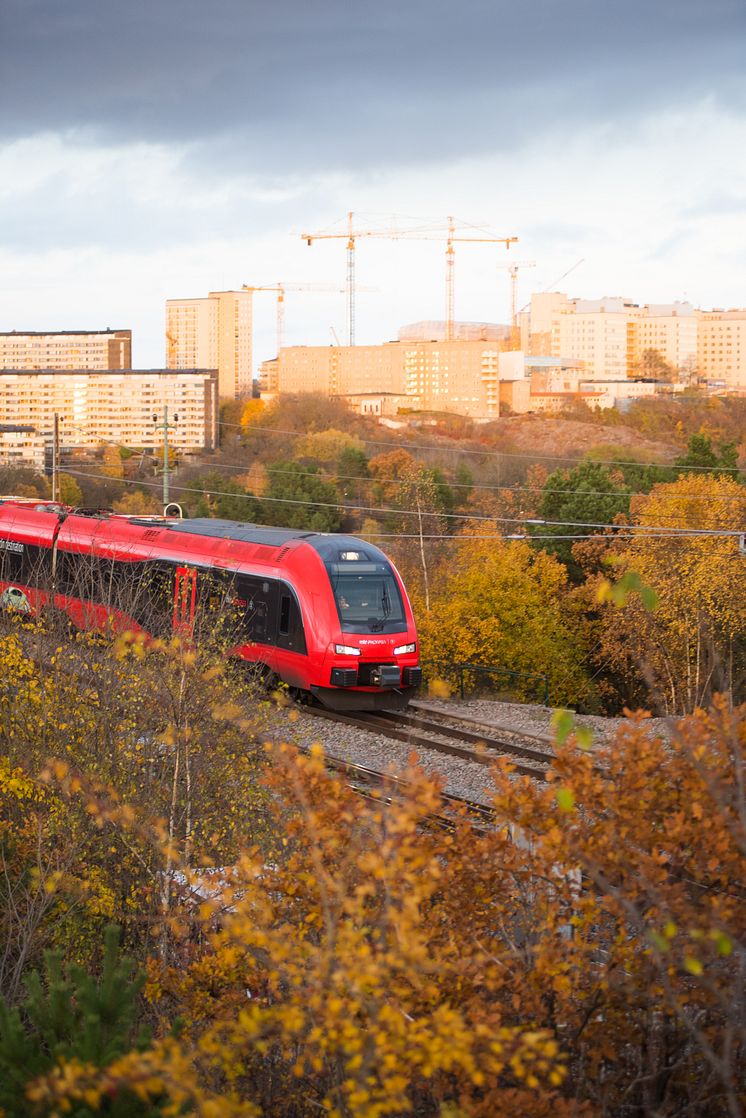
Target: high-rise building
(213, 333)
(113, 406)
(66, 349)
(721, 346)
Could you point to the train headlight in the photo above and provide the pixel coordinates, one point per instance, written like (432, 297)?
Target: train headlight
(346, 650)
(402, 649)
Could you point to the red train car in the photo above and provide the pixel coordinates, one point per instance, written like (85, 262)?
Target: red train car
(327, 614)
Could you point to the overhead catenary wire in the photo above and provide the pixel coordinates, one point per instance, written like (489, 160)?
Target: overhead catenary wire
(451, 484)
(513, 520)
(528, 539)
(371, 480)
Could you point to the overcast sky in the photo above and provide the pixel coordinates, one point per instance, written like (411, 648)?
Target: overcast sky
(152, 149)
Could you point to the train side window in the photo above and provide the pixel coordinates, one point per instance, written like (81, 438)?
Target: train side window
(284, 627)
(153, 604)
(11, 561)
(35, 566)
(66, 569)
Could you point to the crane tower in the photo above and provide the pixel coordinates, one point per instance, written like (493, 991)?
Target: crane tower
(422, 233)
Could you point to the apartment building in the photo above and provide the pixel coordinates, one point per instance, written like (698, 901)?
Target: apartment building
(457, 376)
(22, 445)
(667, 329)
(213, 333)
(66, 349)
(721, 347)
(614, 338)
(114, 406)
(594, 331)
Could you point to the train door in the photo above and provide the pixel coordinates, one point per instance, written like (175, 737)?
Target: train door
(259, 599)
(290, 633)
(185, 597)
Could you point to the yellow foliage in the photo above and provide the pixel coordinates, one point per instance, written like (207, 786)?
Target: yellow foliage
(504, 604)
(691, 644)
(252, 412)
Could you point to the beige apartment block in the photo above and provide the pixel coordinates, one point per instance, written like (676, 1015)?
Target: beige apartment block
(721, 347)
(594, 332)
(114, 406)
(668, 329)
(66, 349)
(213, 333)
(22, 445)
(458, 376)
(611, 337)
(539, 327)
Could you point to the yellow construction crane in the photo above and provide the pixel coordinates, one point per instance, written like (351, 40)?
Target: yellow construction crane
(281, 288)
(451, 267)
(421, 233)
(513, 270)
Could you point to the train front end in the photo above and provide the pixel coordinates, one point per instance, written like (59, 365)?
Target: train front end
(372, 659)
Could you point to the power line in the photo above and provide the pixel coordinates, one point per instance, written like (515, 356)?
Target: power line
(540, 539)
(514, 520)
(244, 469)
(399, 481)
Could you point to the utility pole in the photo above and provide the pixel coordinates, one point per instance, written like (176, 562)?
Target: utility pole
(56, 458)
(165, 426)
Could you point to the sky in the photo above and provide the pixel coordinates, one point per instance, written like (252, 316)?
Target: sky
(155, 149)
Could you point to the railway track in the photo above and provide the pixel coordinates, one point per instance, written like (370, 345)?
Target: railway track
(444, 733)
(371, 783)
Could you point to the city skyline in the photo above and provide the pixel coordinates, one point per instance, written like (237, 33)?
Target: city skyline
(156, 152)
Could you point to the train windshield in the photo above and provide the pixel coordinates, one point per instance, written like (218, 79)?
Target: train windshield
(369, 603)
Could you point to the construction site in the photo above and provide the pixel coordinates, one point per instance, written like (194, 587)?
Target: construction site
(552, 350)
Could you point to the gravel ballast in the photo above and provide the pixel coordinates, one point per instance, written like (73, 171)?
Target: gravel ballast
(466, 779)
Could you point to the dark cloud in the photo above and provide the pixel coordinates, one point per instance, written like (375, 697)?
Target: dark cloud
(314, 83)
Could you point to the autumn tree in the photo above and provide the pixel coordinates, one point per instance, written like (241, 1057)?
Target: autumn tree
(580, 954)
(138, 502)
(24, 482)
(326, 446)
(505, 604)
(416, 500)
(70, 491)
(653, 364)
(686, 550)
(159, 725)
(111, 461)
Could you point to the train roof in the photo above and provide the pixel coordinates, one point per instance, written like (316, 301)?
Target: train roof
(327, 545)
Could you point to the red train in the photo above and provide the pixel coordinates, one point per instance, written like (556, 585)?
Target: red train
(327, 614)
